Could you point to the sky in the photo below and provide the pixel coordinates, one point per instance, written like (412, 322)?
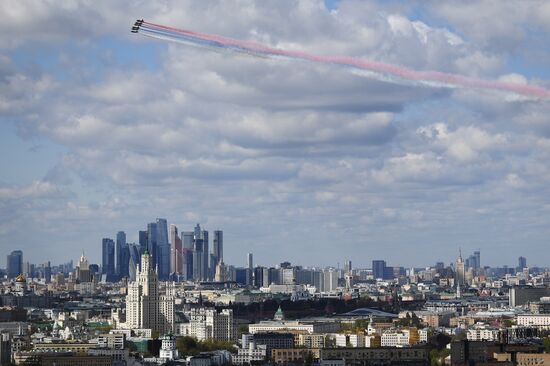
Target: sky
(103, 130)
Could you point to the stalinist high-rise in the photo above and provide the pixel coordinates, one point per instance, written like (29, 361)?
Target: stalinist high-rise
(145, 307)
(460, 269)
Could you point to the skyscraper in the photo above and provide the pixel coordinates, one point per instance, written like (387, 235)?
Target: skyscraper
(187, 239)
(217, 246)
(47, 272)
(378, 268)
(198, 260)
(152, 242)
(187, 263)
(477, 255)
(250, 261)
(522, 263)
(108, 257)
(201, 256)
(15, 263)
(142, 241)
(175, 251)
(163, 249)
(347, 266)
(460, 271)
(122, 255)
(146, 308)
(206, 256)
(135, 256)
(250, 268)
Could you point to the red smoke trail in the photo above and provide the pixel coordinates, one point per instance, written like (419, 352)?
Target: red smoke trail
(358, 63)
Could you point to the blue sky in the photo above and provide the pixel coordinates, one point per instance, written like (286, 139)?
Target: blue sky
(103, 130)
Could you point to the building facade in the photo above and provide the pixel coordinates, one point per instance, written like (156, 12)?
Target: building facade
(146, 308)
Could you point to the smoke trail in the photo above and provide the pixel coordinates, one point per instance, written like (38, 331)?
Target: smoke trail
(432, 78)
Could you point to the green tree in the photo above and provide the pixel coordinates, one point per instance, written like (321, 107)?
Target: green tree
(546, 343)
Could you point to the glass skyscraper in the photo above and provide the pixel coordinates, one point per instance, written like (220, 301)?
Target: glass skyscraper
(108, 257)
(15, 263)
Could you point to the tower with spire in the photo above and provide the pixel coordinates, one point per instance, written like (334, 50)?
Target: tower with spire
(460, 271)
(146, 308)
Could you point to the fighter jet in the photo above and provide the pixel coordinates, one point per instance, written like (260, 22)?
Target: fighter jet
(136, 26)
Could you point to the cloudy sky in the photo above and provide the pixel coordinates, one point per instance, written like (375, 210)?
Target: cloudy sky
(104, 130)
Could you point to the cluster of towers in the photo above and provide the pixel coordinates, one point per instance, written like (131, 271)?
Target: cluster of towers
(174, 255)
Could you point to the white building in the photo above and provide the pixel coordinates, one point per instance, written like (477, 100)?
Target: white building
(207, 323)
(350, 340)
(249, 351)
(482, 332)
(309, 327)
(395, 339)
(146, 308)
(534, 320)
(168, 349)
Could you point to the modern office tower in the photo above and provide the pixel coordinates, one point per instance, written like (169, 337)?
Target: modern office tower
(347, 266)
(198, 259)
(206, 256)
(197, 231)
(217, 247)
(242, 276)
(187, 264)
(318, 278)
(249, 261)
(378, 269)
(108, 258)
(142, 242)
(120, 248)
(146, 308)
(47, 272)
(175, 251)
(250, 267)
(201, 255)
(460, 271)
(440, 265)
(270, 275)
(94, 270)
(522, 263)
(163, 248)
(152, 245)
(15, 263)
(258, 277)
(330, 280)
(477, 255)
(133, 265)
(187, 239)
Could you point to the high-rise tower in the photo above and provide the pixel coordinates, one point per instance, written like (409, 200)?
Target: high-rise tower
(122, 255)
(146, 308)
(460, 269)
(175, 251)
(217, 247)
(15, 263)
(163, 248)
(108, 258)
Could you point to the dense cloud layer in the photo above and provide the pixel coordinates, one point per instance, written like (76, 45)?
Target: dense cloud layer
(293, 160)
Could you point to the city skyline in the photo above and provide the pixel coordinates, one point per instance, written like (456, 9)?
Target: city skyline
(110, 265)
(105, 131)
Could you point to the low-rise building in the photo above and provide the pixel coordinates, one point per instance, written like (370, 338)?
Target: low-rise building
(294, 355)
(534, 320)
(310, 327)
(387, 356)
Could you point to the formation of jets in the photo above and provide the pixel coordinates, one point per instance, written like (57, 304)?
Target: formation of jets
(136, 26)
